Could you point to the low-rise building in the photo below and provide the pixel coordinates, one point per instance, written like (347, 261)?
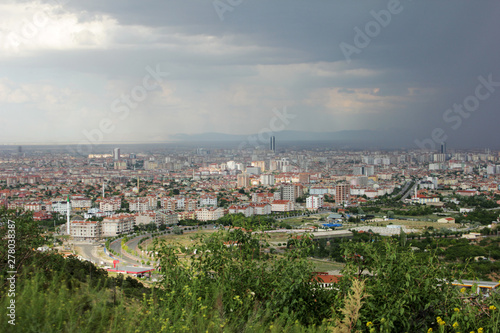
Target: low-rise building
(424, 199)
(446, 220)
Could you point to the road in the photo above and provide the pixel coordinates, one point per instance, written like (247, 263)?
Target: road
(132, 244)
(409, 192)
(403, 190)
(124, 259)
(88, 251)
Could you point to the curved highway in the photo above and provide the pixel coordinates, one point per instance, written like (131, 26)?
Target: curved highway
(124, 257)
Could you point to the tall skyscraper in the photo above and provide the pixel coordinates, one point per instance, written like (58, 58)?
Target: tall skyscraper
(443, 147)
(116, 154)
(272, 143)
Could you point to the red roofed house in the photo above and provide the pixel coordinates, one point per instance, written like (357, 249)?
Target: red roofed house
(326, 280)
(41, 216)
(467, 193)
(446, 220)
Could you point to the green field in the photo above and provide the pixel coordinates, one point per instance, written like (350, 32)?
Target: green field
(326, 266)
(301, 220)
(415, 224)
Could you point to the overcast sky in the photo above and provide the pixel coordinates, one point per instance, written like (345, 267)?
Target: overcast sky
(73, 70)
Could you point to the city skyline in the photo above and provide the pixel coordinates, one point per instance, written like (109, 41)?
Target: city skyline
(114, 72)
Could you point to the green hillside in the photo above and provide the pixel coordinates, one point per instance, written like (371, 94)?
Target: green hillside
(228, 282)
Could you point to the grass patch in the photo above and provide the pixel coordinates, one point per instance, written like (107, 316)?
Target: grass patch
(415, 224)
(186, 239)
(326, 266)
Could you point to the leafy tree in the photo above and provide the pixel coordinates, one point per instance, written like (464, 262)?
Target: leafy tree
(244, 279)
(407, 291)
(124, 205)
(19, 235)
(177, 231)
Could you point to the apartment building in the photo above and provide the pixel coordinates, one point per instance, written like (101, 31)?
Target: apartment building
(142, 204)
(261, 208)
(342, 193)
(282, 206)
(207, 200)
(167, 217)
(168, 203)
(86, 230)
(210, 214)
(243, 180)
(291, 192)
(245, 210)
(110, 204)
(314, 202)
(80, 203)
(118, 224)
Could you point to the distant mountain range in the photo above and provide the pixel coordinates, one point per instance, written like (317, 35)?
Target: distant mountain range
(392, 138)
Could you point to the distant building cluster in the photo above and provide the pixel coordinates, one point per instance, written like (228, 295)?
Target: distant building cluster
(112, 192)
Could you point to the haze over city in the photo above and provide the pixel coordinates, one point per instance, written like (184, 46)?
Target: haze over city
(385, 71)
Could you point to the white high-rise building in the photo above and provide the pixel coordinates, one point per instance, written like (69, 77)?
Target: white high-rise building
(314, 202)
(267, 179)
(116, 154)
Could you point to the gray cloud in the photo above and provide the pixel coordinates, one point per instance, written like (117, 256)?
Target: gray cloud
(227, 76)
